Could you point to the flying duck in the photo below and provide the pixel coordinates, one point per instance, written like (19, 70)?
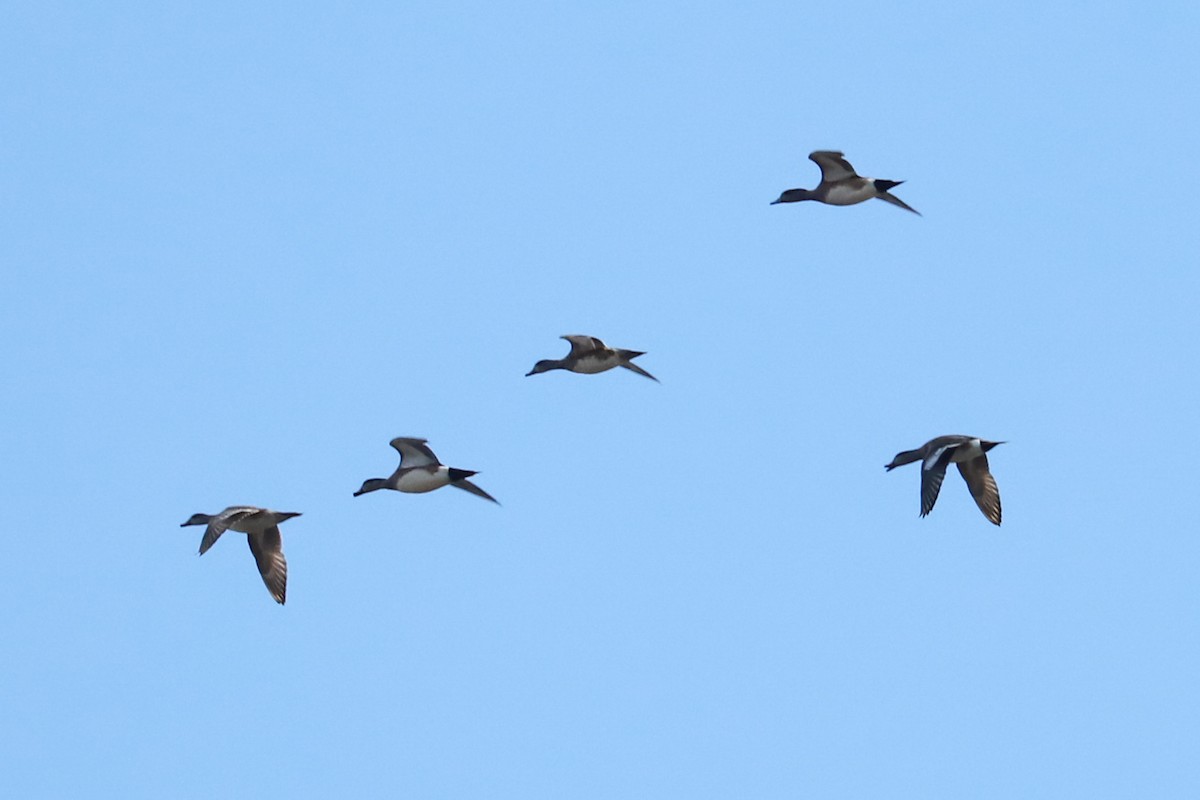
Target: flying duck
(590, 355)
(261, 526)
(969, 453)
(420, 471)
(841, 185)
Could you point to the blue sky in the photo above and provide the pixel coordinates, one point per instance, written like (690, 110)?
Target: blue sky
(245, 247)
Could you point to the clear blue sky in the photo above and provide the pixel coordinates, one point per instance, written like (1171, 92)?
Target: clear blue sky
(245, 247)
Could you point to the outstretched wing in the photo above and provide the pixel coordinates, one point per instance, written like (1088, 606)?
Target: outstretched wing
(632, 367)
(414, 452)
(213, 532)
(931, 484)
(223, 522)
(582, 345)
(267, 547)
(983, 487)
(467, 486)
(896, 201)
(933, 472)
(834, 166)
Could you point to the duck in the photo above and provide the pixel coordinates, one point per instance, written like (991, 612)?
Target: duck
(842, 186)
(590, 355)
(261, 526)
(420, 471)
(969, 453)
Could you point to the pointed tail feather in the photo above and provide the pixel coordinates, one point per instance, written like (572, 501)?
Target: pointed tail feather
(460, 474)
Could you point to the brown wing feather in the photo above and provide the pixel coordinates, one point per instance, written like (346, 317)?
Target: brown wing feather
(267, 548)
(213, 532)
(931, 485)
(223, 522)
(983, 487)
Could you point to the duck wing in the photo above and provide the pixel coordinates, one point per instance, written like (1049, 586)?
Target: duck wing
(983, 487)
(933, 472)
(931, 484)
(267, 547)
(896, 201)
(582, 345)
(223, 522)
(834, 166)
(467, 486)
(632, 367)
(414, 452)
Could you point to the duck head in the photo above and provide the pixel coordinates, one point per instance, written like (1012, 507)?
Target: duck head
(793, 196)
(371, 485)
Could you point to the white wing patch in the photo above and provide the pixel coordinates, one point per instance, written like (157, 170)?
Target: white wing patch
(932, 459)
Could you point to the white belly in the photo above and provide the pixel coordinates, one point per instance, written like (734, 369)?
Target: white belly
(849, 195)
(590, 365)
(420, 479)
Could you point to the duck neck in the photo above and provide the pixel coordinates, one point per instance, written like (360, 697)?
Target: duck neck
(907, 457)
